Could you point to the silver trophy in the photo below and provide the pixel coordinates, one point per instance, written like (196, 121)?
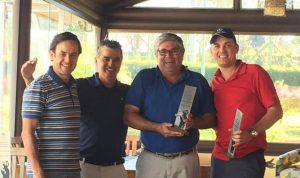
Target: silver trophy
(185, 106)
(236, 127)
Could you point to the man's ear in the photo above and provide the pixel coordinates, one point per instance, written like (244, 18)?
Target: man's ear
(237, 48)
(51, 55)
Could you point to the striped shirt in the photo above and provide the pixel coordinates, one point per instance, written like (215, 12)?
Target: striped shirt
(56, 106)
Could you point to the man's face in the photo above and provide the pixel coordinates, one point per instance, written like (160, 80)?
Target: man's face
(64, 59)
(224, 51)
(108, 63)
(169, 57)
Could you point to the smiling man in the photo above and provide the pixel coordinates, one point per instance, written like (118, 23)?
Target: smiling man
(249, 88)
(102, 100)
(151, 105)
(51, 114)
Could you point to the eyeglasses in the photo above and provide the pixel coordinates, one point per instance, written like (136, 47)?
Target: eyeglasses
(165, 52)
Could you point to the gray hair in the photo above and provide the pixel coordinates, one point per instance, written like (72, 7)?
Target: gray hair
(110, 44)
(168, 37)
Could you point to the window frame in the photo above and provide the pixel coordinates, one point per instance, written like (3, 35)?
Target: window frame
(145, 19)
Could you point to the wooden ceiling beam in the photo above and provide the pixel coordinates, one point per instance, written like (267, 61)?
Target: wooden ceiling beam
(203, 19)
(122, 4)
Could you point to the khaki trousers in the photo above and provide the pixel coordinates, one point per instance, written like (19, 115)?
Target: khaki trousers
(95, 171)
(150, 165)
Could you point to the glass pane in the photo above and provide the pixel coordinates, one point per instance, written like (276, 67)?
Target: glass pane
(296, 4)
(277, 54)
(187, 4)
(6, 92)
(47, 21)
(260, 4)
(257, 4)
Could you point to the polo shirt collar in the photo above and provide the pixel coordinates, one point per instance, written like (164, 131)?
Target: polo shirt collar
(98, 82)
(241, 70)
(58, 80)
(184, 75)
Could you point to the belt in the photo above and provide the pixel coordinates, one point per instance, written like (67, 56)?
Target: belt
(171, 155)
(101, 163)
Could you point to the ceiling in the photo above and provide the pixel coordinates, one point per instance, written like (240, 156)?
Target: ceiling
(120, 14)
(95, 11)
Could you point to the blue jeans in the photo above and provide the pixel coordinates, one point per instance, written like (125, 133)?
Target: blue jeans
(249, 166)
(59, 175)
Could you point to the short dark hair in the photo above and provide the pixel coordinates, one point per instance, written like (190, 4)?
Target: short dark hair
(168, 37)
(65, 36)
(110, 44)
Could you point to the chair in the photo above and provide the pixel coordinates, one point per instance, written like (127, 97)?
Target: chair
(285, 164)
(18, 158)
(16, 142)
(131, 143)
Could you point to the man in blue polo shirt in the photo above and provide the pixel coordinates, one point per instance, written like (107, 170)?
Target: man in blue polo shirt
(151, 105)
(102, 100)
(51, 114)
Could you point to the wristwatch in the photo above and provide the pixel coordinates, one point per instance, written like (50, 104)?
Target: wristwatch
(253, 133)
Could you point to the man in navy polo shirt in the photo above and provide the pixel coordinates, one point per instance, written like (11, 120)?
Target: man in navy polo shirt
(151, 105)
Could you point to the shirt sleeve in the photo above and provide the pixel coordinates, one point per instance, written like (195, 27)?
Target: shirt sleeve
(135, 94)
(266, 89)
(33, 101)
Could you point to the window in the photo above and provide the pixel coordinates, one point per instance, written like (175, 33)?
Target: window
(278, 54)
(7, 93)
(225, 4)
(47, 21)
(260, 4)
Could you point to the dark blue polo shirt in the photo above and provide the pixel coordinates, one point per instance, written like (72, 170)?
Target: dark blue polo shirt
(102, 132)
(158, 101)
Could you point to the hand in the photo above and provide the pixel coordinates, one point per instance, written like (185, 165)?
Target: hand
(28, 69)
(189, 122)
(167, 130)
(240, 137)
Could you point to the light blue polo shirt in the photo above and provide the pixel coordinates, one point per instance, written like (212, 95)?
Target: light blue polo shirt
(158, 102)
(56, 106)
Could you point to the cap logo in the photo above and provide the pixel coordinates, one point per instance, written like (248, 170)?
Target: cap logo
(220, 30)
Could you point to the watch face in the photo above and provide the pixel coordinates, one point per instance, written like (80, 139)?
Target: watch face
(254, 133)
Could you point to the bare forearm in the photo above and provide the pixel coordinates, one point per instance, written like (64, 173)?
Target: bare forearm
(32, 153)
(28, 80)
(136, 121)
(272, 115)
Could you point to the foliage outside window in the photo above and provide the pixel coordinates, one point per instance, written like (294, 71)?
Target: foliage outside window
(277, 54)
